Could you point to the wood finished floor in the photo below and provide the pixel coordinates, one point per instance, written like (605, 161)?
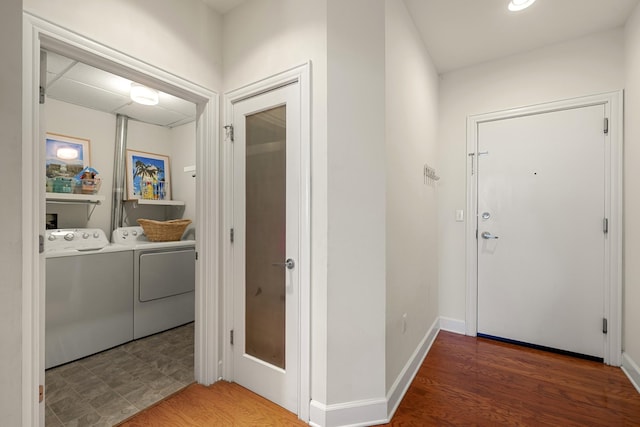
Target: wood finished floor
(464, 381)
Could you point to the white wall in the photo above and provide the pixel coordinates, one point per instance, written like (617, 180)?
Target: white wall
(100, 129)
(265, 37)
(411, 223)
(356, 200)
(183, 153)
(11, 289)
(179, 36)
(585, 66)
(631, 322)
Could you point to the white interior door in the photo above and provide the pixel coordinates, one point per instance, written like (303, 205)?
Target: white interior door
(266, 244)
(541, 240)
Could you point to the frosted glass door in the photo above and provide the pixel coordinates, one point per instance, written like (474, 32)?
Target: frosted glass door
(265, 237)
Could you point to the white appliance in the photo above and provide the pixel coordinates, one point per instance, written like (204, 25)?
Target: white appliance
(88, 294)
(163, 281)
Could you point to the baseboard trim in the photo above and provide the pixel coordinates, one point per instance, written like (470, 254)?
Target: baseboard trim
(631, 369)
(402, 383)
(453, 325)
(380, 411)
(351, 414)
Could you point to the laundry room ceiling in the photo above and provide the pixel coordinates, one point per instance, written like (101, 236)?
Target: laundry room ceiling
(223, 6)
(80, 84)
(460, 33)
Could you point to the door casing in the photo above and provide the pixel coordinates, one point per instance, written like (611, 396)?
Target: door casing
(300, 75)
(612, 102)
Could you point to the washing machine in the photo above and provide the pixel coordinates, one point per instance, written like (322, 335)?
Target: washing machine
(163, 281)
(88, 294)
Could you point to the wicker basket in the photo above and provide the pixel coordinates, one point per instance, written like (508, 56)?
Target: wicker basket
(164, 231)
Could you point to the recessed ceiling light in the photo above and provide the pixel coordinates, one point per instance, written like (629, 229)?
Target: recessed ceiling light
(516, 5)
(143, 95)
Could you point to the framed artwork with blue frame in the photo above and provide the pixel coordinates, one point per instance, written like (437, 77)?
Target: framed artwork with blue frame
(148, 176)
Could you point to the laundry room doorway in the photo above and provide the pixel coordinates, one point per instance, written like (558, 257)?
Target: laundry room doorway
(41, 35)
(546, 226)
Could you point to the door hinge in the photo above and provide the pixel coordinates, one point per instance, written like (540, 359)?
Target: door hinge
(476, 234)
(231, 337)
(40, 393)
(196, 256)
(604, 325)
(40, 244)
(41, 95)
(606, 126)
(605, 225)
(232, 235)
(229, 130)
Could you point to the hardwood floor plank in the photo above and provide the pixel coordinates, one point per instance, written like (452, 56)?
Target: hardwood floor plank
(464, 381)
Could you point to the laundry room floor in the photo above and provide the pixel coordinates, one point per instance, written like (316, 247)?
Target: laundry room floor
(109, 387)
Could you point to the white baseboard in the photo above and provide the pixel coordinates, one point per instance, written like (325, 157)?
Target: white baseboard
(402, 383)
(351, 414)
(380, 411)
(631, 369)
(452, 325)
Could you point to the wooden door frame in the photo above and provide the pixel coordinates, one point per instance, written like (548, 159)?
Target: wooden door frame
(37, 34)
(302, 76)
(613, 104)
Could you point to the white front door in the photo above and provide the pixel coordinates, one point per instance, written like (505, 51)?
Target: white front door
(541, 238)
(266, 192)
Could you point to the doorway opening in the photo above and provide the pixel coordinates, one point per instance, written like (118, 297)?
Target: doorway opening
(46, 36)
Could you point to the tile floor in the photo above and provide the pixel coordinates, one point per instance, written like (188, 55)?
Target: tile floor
(106, 388)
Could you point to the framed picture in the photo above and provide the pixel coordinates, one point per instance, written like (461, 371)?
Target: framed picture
(66, 155)
(147, 176)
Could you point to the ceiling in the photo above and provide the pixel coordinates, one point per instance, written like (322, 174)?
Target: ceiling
(460, 33)
(80, 84)
(223, 6)
(457, 34)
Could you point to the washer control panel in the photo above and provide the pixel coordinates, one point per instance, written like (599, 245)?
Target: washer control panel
(79, 239)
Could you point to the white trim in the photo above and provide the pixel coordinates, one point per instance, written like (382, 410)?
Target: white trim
(40, 33)
(403, 382)
(612, 102)
(360, 413)
(452, 325)
(632, 370)
(301, 75)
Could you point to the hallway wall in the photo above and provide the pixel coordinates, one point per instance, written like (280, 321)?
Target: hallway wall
(631, 306)
(586, 66)
(411, 203)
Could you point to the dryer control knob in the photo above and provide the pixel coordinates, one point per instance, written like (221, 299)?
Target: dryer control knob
(125, 233)
(134, 233)
(69, 237)
(85, 235)
(52, 237)
(96, 235)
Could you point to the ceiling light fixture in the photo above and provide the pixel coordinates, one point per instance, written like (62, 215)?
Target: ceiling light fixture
(516, 5)
(143, 95)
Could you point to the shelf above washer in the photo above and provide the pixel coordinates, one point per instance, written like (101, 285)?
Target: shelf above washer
(157, 202)
(74, 198)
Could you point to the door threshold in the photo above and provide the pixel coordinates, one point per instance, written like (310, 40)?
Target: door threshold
(543, 348)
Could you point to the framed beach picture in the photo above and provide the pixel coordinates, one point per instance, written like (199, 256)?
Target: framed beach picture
(66, 155)
(147, 176)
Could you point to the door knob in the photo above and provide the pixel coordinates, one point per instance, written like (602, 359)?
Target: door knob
(289, 263)
(487, 235)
